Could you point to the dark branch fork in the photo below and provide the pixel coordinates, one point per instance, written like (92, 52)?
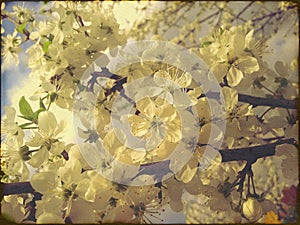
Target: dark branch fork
(250, 155)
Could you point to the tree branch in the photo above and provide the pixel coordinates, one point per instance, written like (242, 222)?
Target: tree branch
(16, 188)
(259, 101)
(249, 154)
(254, 152)
(272, 14)
(242, 11)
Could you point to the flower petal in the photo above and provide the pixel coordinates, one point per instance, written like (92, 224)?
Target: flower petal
(43, 182)
(139, 126)
(230, 97)
(146, 107)
(248, 64)
(39, 157)
(220, 70)
(182, 99)
(47, 122)
(234, 76)
(188, 174)
(149, 91)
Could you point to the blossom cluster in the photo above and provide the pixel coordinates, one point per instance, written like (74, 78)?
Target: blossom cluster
(150, 134)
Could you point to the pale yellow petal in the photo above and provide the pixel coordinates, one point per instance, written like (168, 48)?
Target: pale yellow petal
(188, 174)
(248, 64)
(146, 107)
(47, 122)
(230, 97)
(173, 130)
(251, 209)
(39, 157)
(234, 76)
(139, 126)
(184, 80)
(219, 71)
(167, 112)
(43, 182)
(182, 99)
(137, 155)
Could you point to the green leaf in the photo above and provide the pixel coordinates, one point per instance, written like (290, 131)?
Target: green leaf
(27, 117)
(21, 28)
(42, 106)
(46, 45)
(206, 43)
(24, 125)
(53, 96)
(25, 108)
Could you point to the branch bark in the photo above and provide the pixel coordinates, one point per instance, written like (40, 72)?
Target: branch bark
(16, 188)
(259, 101)
(251, 154)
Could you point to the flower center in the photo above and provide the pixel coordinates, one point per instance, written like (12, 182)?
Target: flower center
(69, 192)
(139, 209)
(156, 123)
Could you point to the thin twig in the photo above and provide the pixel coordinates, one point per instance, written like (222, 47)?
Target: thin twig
(243, 10)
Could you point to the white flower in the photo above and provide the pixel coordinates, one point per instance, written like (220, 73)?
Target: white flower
(11, 48)
(169, 85)
(138, 205)
(156, 121)
(65, 186)
(12, 208)
(59, 89)
(198, 211)
(47, 138)
(10, 128)
(159, 51)
(14, 155)
(22, 14)
(229, 54)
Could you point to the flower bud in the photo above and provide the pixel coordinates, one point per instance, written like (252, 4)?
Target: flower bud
(251, 209)
(53, 96)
